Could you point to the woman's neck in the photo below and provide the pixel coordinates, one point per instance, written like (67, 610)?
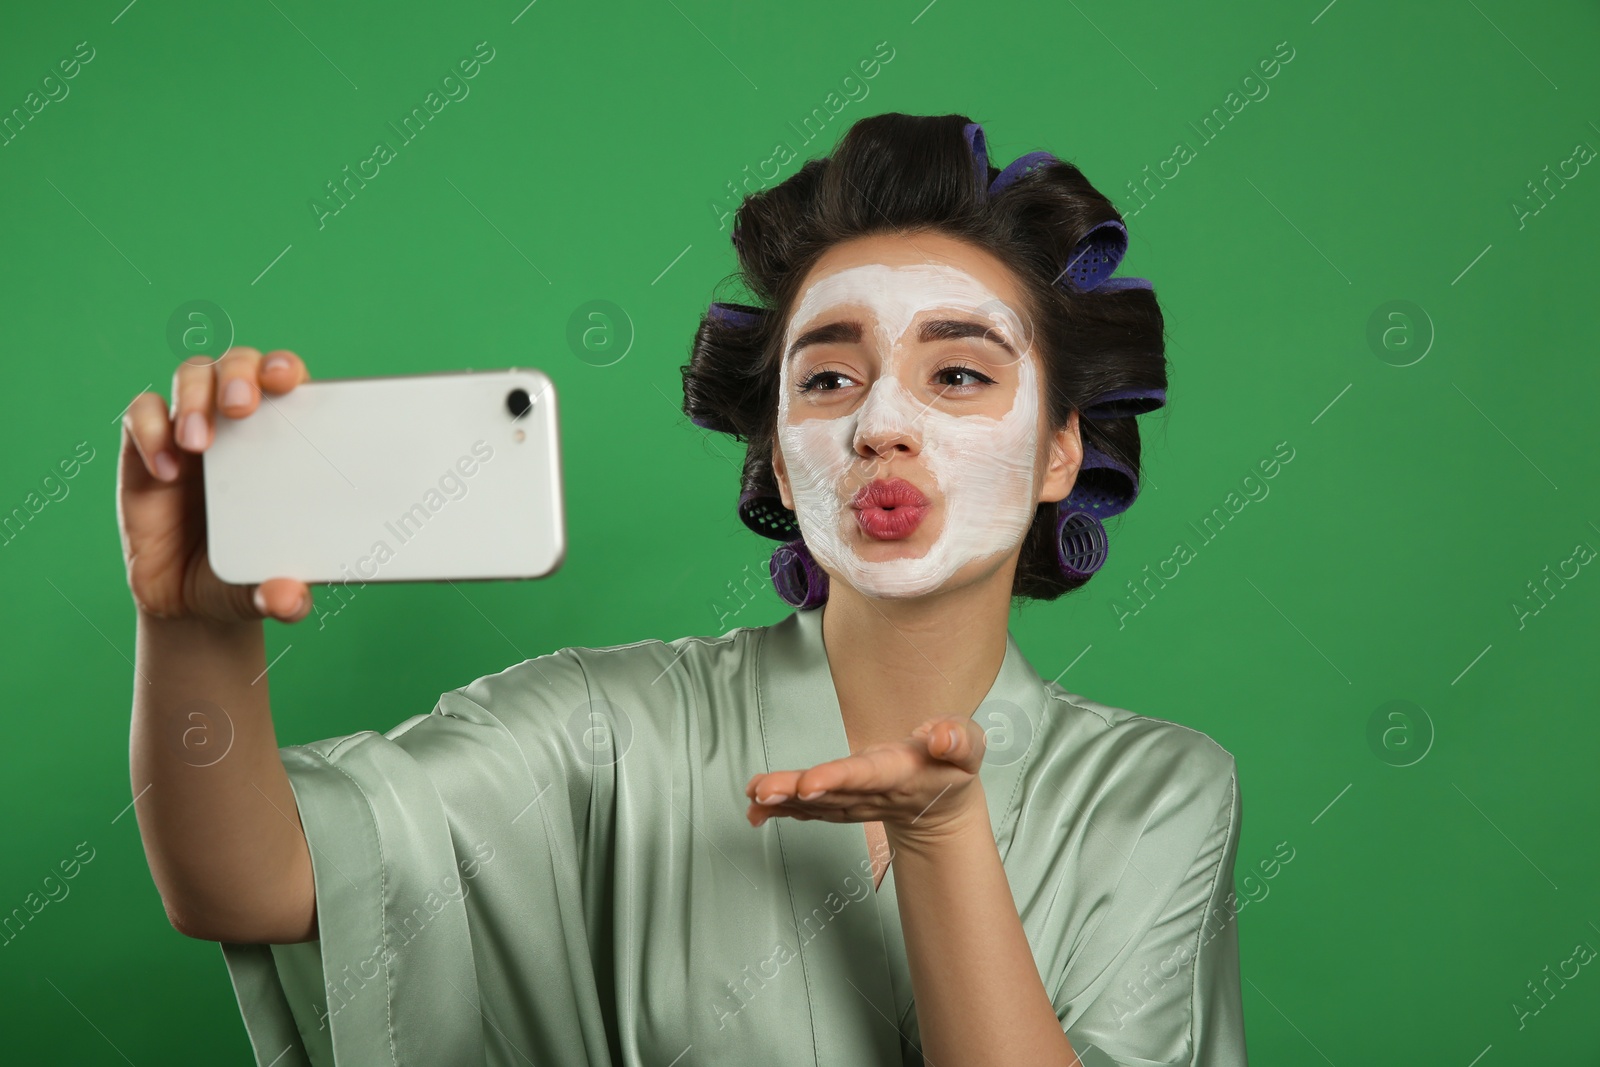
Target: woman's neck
(898, 663)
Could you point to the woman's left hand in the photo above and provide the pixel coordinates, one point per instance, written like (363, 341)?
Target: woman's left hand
(916, 785)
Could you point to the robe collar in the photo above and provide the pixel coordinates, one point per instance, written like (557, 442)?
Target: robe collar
(853, 950)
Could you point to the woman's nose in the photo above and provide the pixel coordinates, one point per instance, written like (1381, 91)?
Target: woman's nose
(888, 420)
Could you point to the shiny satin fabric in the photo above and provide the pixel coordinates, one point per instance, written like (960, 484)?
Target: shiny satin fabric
(554, 867)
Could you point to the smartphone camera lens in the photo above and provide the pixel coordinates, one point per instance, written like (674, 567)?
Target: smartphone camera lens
(518, 403)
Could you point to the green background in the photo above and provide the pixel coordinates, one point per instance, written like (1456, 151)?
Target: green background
(591, 161)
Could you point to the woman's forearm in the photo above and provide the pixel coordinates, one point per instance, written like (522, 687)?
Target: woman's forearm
(216, 813)
(980, 1001)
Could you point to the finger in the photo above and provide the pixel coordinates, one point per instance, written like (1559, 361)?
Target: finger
(758, 814)
(971, 745)
(774, 788)
(875, 770)
(145, 423)
(193, 384)
(806, 813)
(954, 740)
(281, 370)
(820, 802)
(755, 814)
(284, 599)
(236, 390)
(945, 739)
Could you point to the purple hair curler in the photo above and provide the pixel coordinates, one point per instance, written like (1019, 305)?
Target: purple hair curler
(1095, 256)
(1020, 166)
(735, 316)
(1121, 403)
(799, 581)
(1113, 285)
(1081, 542)
(740, 316)
(979, 145)
(1105, 486)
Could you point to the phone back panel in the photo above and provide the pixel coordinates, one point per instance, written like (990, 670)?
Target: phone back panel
(408, 478)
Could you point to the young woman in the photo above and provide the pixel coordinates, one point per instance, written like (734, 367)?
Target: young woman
(633, 855)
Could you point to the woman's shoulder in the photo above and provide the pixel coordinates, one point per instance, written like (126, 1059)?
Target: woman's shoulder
(563, 707)
(575, 674)
(1116, 743)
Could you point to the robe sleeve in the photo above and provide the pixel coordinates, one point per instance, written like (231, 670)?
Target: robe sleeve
(1174, 997)
(400, 825)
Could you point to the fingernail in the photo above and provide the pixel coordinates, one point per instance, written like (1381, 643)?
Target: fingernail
(236, 394)
(166, 466)
(303, 605)
(193, 432)
(776, 798)
(812, 796)
(272, 363)
(260, 601)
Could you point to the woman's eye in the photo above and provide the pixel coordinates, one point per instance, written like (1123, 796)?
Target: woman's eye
(945, 373)
(815, 381)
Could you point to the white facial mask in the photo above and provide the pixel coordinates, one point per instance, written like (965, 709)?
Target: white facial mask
(981, 467)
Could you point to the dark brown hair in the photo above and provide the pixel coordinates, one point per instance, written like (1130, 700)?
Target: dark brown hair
(903, 174)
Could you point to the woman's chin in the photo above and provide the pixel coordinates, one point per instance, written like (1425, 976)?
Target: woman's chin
(873, 549)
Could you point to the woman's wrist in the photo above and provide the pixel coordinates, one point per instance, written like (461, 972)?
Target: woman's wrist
(964, 819)
(197, 626)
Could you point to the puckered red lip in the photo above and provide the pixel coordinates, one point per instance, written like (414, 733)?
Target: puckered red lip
(889, 493)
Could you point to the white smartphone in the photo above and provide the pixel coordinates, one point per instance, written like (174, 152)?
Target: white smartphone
(425, 477)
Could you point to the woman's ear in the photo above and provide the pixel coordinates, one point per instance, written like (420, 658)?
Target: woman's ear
(781, 474)
(1066, 458)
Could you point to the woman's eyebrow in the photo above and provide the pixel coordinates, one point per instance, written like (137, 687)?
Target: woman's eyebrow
(849, 332)
(833, 333)
(958, 329)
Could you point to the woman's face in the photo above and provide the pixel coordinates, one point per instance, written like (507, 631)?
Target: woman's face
(912, 441)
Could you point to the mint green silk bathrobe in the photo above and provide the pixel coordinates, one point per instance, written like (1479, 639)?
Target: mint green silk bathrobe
(554, 868)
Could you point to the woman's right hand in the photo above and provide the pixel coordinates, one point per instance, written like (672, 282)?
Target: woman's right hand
(161, 506)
